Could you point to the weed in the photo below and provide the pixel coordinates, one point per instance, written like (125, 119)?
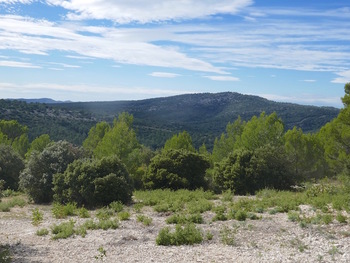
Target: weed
(227, 196)
(108, 224)
(182, 219)
(183, 235)
(144, 220)
(83, 212)
(209, 235)
(63, 211)
(137, 207)
(15, 201)
(341, 218)
(124, 215)
(104, 213)
(241, 215)
(227, 236)
(37, 217)
(63, 230)
(42, 232)
(116, 206)
(293, 216)
(327, 219)
(102, 253)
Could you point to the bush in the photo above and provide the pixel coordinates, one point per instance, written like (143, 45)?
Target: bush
(93, 182)
(183, 235)
(176, 169)
(63, 230)
(42, 232)
(11, 164)
(36, 179)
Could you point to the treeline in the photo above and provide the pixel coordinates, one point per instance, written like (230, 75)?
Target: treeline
(111, 163)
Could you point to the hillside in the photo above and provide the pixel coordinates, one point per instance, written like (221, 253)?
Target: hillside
(204, 116)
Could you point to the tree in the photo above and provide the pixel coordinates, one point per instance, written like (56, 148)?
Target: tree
(305, 154)
(176, 169)
(11, 164)
(120, 140)
(96, 135)
(246, 171)
(181, 141)
(36, 178)
(227, 142)
(262, 130)
(93, 182)
(21, 145)
(38, 144)
(12, 129)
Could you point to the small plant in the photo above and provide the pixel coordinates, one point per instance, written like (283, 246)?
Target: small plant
(83, 212)
(102, 253)
(107, 224)
(241, 215)
(124, 215)
(116, 206)
(227, 196)
(209, 235)
(137, 207)
(42, 232)
(14, 201)
(183, 235)
(104, 213)
(144, 220)
(63, 211)
(293, 216)
(341, 218)
(63, 230)
(182, 219)
(227, 236)
(327, 219)
(37, 217)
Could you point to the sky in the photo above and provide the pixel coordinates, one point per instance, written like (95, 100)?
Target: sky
(105, 50)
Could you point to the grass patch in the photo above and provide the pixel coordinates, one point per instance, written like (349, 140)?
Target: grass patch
(63, 211)
(183, 219)
(63, 230)
(37, 217)
(42, 232)
(144, 220)
(14, 201)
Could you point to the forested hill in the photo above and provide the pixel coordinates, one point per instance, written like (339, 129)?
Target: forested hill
(204, 115)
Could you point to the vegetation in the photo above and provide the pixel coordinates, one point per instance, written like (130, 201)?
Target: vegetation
(183, 235)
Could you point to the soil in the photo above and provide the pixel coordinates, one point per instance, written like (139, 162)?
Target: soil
(273, 238)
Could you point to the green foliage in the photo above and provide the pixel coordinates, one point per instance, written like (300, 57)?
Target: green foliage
(11, 164)
(102, 253)
(247, 171)
(15, 201)
(183, 219)
(37, 217)
(144, 220)
(183, 235)
(42, 232)
(83, 212)
(36, 179)
(116, 206)
(124, 215)
(12, 129)
(63, 230)
(227, 236)
(96, 135)
(176, 169)
(94, 182)
(63, 211)
(104, 213)
(38, 145)
(181, 141)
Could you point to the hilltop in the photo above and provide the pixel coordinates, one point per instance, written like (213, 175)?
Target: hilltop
(203, 115)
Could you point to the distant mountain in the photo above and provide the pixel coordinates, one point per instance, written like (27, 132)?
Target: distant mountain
(42, 100)
(204, 115)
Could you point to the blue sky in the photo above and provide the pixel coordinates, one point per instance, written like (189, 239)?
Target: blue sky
(292, 51)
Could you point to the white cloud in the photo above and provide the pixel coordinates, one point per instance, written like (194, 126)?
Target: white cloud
(16, 1)
(79, 92)
(145, 11)
(309, 80)
(16, 64)
(164, 74)
(222, 78)
(344, 77)
(39, 37)
(308, 99)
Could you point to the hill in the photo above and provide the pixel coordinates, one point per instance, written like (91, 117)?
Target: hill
(204, 116)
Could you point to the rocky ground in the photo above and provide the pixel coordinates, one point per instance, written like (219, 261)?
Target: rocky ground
(273, 238)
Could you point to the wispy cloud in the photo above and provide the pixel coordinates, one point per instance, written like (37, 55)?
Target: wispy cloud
(145, 11)
(16, 64)
(164, 75)
(344, 77)
(222, 78)
(309, 80)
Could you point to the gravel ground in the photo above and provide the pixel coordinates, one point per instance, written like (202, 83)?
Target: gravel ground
(273, 238)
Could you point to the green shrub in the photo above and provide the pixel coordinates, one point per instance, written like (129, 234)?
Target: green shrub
(227, 236)
(14, 201)
(42, 232)
(63, 211)
(183, 235)
(104, 213)
(37, 217)
(144, 219)
(83, 212)
(94, 182)
(241, 215)
(106, 224)
(124, 215)
(63, 230)
(183, 219)
(37, 178)
(176, 169)
(293, 216)
(341, 218)
(116, 206)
